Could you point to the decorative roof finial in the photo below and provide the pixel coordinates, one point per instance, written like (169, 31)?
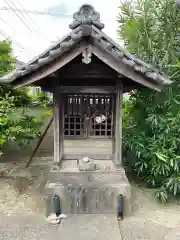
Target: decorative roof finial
(88, 16)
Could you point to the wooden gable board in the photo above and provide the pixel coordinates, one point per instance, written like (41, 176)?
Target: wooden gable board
(102, 55)
(63, 60)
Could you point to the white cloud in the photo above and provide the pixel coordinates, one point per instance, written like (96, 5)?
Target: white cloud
(50, 27)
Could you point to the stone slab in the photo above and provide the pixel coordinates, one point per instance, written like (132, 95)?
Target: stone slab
(90, 227)
(26, 173)
(76, 200)
(43, 161)
(173, 234)
(71, 165)
(88, 199)
(88, 177)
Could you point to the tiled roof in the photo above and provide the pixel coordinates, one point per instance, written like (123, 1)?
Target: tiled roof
(87, 24)
(19, 63)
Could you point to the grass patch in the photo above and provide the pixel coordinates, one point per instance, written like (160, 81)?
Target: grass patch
(41, 113)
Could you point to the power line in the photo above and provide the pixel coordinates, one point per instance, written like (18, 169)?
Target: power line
(18, 16)
(30, 20)
(28, 15)
(13, 41)
(37, 12)
(7, 23)
(5, 35)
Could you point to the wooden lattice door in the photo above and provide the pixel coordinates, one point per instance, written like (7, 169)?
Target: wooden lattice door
(88, 116)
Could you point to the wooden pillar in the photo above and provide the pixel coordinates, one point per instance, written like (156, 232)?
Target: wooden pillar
(58, 127)
(118, 126)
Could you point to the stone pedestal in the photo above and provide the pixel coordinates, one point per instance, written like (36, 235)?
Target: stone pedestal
(90, 192)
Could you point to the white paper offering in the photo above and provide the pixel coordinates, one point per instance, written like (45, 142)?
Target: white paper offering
(100, 119)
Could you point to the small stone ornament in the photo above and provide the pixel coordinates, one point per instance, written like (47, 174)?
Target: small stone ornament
(107, 169)
(86, 164)
(86, 56)
(55, 167)
(53, 219)
(86, 15)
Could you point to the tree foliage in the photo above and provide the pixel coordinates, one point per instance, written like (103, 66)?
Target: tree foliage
(15, 122)
(150, 30)
(6, 59)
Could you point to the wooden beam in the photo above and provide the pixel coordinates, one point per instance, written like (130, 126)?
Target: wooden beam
(118, 126)
(87, 89)
(54, 66)
(121, 68)
(61, 119)
(58, 128)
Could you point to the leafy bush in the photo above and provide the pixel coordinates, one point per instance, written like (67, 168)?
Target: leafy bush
(16, 124)
(150, 30)
(161, 195)
(40, 99)
(6, 58)
(21, 97)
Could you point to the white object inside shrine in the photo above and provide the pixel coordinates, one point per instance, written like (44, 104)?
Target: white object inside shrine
(100, 119)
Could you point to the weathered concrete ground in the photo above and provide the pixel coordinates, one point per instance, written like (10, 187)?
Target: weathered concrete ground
(21, 213)
(149, 220)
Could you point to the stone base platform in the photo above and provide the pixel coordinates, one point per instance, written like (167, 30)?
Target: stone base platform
(89, 192)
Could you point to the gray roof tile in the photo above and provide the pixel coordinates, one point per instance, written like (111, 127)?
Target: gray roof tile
(88, 25)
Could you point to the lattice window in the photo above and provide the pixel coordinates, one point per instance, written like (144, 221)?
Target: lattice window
(102, 110)
(82, 113)
(73, 118)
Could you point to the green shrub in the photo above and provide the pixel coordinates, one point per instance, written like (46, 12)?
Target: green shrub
(16, 124)
(151, 129)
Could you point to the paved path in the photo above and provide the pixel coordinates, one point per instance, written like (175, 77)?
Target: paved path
(79, 227)
(174, 234)
(138, 228)
(149, 220)
(89, 227)
(26, 228)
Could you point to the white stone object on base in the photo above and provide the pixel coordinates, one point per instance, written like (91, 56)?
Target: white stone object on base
(54, 222)
(52, 216)
(53, 219)
(86, 164)
(100, 119)
(85, 159)
(62, 216)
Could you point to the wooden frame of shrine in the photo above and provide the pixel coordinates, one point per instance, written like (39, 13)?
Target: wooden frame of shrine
(88, 73)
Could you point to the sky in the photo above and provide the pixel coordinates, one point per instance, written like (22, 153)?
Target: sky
(32, 33)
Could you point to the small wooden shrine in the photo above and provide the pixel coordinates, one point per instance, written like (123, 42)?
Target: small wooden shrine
(88, 73)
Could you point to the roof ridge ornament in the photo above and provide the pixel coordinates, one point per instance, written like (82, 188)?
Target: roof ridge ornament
(86, 15)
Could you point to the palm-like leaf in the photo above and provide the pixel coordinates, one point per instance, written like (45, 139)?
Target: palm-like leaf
(151, 30)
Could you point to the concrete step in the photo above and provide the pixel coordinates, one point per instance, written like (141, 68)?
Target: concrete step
(90, 178)
(85, 200)
(88, 192)
(90, 227)
(174, 234)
